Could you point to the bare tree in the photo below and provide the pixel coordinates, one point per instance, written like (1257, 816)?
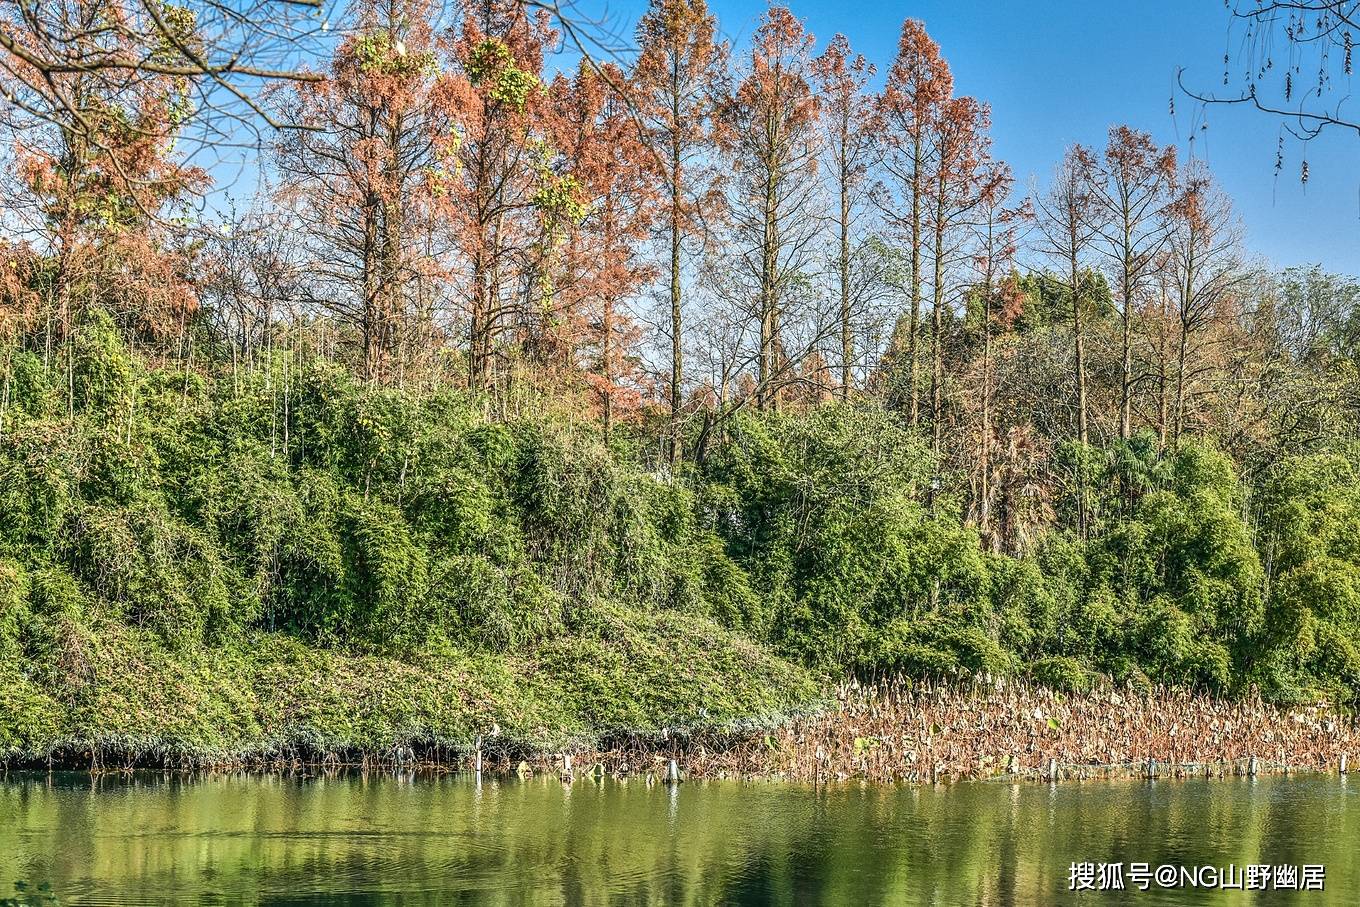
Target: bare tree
(996, 241)
(850, 125)
(1067, 220)
(251, 280)
(1206, 262)
(1068, 223)
(769, 135)
(1131, 184)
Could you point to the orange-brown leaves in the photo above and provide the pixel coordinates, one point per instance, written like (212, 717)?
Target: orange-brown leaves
(776, 95)
(1133, 158)
(675, 87)
(768, 121)
(961, 145)
(97, 175)
(601, 151)
(851, 121)
(919, 83)
(364, 180)
(678, 68)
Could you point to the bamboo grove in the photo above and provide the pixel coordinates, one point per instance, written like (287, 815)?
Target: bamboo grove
(524, 364)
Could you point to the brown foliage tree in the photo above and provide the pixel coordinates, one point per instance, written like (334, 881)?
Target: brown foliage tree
(676, 84)
(496, 181)
(616, 181)
(919, 85)
(770, 136)
(358, 177)
(93, 178)
(997, 228)
(850, 126)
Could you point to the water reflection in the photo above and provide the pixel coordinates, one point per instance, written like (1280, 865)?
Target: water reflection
(355, 839)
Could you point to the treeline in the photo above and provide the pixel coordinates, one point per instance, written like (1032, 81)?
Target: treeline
(563, 365)
(676, 235)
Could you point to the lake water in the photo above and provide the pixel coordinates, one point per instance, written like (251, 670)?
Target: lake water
(264, 839)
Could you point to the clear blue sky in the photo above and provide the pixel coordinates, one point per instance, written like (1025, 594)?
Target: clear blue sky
(1063, 71)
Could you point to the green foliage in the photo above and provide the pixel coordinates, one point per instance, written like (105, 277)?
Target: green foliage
(1048, 299)
(1310, 540)
(937, 645)
(318, 574)
(827, 513)
(103, 375)
(1062, 673)
(382, 53)
(164, 525)
(14, 608)
(156, 571)
(492, 64)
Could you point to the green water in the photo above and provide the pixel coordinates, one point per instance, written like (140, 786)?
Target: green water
(262, 839)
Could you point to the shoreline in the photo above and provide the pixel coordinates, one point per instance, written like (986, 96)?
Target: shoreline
(546, 771)
(897, 731)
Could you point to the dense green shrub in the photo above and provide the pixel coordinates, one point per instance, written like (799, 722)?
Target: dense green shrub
(14, 609)
(1062, 673)
(828, 514)
(1310, 544)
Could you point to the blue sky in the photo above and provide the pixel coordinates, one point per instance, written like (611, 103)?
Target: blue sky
(1064, 71)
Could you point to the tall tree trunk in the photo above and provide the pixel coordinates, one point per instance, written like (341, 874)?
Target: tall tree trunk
(675, 447)
(483, 264)
(1185, 322)
(1163, 378)
(372, 289)
(936, 346)
(913, 343)
(1178, 413)
(477, 322)
(1079, 344)
(985, 485)
(606, 366)
(1080, 349)
(1126, 357)
(847, 345)
(768, 292)
(393, 250)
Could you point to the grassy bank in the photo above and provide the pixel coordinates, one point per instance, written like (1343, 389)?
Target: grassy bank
(119, 696)
(205, 566)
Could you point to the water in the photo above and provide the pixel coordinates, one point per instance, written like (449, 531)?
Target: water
(261, 839)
